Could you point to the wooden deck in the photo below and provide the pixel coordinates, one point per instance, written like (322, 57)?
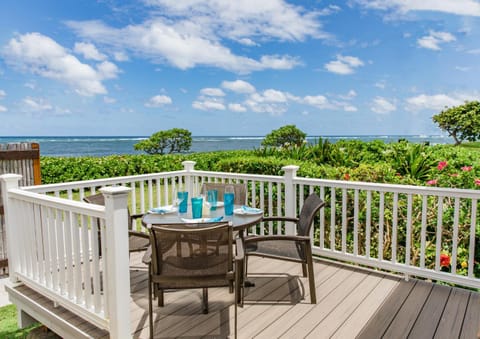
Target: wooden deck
(352, 302)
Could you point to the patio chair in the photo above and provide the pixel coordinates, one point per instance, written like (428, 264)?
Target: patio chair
(240, 191)
(137, 241)
(188, 256)
(296, 248)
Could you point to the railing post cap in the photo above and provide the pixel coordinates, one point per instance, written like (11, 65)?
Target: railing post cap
(290, 168)
(10, 177)
(115, 190)
(189, 165)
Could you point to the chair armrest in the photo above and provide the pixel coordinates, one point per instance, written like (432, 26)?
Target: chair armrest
(147, 257)
(139, 234)
(137, 216)
(257, 238)
(265, 219)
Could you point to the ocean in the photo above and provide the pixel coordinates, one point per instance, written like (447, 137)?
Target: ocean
(76, 146)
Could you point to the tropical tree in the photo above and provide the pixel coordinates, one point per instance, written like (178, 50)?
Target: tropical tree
(461, 122)
(286, 135)
(174, 140)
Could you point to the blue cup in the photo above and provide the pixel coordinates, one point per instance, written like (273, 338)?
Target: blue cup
(197, 204)
(228, 199)
(212, 196)
(183, 199)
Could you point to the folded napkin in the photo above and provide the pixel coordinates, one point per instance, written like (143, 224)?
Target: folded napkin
(248, 209)
(193, 221)
(162, 210)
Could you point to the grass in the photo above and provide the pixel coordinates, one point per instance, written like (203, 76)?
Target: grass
(8, 324)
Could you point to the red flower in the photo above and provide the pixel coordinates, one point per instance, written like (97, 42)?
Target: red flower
(477, 182)
(432, 182)
(444, 260)
(442, 165)
(467, 168)
(346, 176)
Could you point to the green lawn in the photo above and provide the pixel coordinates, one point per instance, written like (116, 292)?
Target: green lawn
(8, 324)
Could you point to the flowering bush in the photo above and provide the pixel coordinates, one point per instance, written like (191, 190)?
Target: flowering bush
(464, 176)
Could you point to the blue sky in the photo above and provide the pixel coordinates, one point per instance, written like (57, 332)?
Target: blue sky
(220, 67)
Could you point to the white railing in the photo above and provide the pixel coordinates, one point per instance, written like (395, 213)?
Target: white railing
(72, 252)
(426, 232)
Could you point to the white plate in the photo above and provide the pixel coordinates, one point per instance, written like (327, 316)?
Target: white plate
(163, 210)
(199, 220)
(220, 204)
(240, 211)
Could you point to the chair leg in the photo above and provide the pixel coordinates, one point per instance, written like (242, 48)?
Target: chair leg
(150, 307)
(160, 297)
(304, 270)
(311, 281)
(236, 287)
(205, 301)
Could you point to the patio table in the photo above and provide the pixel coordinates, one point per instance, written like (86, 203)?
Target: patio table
(240, 222)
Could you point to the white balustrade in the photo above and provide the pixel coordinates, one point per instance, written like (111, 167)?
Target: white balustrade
(398, 228)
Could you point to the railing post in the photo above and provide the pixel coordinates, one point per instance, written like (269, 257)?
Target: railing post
(189, 167)
(118, 282)
(290, 196)
(9, 181)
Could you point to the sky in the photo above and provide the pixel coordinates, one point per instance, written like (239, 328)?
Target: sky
(242, 68)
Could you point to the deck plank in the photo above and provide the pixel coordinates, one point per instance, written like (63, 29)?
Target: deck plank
(450, 324)
(471, 322)
(381, 320)
(338, 316)
(352, 302)
(326, 304)
(426, 323)
(367, 308)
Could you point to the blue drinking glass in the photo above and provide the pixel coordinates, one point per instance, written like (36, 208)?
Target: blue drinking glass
(197, 203)
(212, 196)
(182, 198)
(228, 199)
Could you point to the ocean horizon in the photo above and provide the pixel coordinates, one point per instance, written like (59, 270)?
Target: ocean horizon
(76, 146)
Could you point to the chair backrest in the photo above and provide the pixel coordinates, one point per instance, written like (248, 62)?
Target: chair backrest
(192, 255)
(239, 189)
(19, 158)
(99, 199)
(309, 209)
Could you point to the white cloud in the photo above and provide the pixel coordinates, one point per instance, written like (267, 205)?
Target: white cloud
(438, 102)
(3, 109)
(208, 105)
(181, 45)
(462, 69)
(435, 39)
(458, 7)
(239, 86)
(382, 106)
(107, 70)
(41, 55)
(37, 104)
(344, 65)
(109, 100)
(194, 33)
(214, 92)
(349, 96)
(381, 84)
(350, 108)
(2, 93)
(318, 101)
(236, 108)
(120, 56)
(89, 51)
(246, 19)
(158, 101)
